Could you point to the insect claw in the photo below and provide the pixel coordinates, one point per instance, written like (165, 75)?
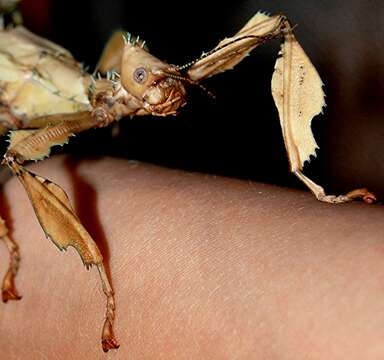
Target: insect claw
(10, 294)
(109, 342)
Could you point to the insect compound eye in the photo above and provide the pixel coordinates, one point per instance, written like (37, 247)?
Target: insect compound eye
(140, 75)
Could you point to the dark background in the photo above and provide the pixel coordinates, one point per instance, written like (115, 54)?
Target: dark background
(238, 134)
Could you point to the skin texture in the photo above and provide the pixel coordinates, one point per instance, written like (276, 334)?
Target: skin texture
(203, 268)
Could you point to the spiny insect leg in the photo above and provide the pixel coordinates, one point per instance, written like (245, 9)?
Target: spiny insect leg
(51, 204)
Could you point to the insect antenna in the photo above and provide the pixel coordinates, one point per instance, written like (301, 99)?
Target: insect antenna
(192, 82)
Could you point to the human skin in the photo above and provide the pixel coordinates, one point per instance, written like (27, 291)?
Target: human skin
(203, 267)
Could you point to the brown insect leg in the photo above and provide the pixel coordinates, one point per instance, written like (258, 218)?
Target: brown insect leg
(108, 340)
(320, 194)
(62, 226)
(50, 202)
(8, 290)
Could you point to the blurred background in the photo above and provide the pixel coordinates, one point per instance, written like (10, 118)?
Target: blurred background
(238, 134)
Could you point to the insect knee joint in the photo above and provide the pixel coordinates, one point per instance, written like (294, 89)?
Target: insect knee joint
(102, 117)
(10, 158)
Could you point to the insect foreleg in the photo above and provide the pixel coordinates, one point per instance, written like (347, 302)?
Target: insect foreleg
(298, 94)
(51, 204)
(320, 194)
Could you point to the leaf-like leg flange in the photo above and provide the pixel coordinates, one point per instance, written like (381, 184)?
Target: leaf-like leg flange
(111, 57)
(8, 289)
(62, 226)
(231, 51)
(36, 144)
(296, 89)
(299, 97)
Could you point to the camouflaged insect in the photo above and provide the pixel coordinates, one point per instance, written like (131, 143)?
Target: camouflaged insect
(46, 97)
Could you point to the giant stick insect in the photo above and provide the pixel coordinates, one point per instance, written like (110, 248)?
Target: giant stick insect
(46, 97)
